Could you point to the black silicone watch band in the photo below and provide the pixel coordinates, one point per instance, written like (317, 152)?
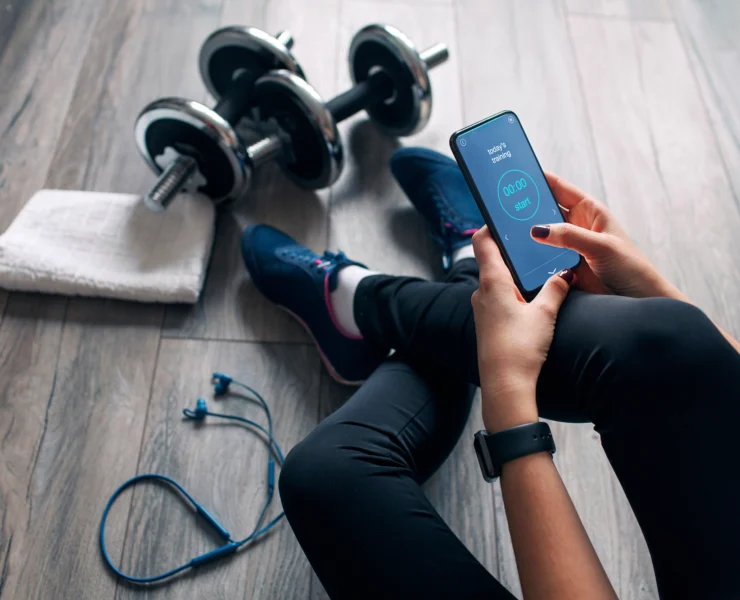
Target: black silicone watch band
(493, 450)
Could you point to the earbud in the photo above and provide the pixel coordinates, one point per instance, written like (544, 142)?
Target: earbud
(200, 412)
(221, 383)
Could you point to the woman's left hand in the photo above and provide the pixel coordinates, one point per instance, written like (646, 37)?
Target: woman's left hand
(513, 336)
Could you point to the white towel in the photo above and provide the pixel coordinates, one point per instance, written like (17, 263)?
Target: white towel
(111, 245)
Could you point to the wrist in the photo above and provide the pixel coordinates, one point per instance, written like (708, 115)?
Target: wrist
(510, 408)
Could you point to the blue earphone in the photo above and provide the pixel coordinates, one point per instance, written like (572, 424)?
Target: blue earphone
(221, 387)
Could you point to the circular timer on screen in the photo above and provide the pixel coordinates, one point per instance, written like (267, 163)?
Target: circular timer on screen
(518, 195)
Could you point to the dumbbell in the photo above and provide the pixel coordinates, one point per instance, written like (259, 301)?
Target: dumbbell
(196, 147)
(391, 83)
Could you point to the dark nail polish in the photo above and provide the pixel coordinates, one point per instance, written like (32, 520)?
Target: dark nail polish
(566, 274)
(540, 231)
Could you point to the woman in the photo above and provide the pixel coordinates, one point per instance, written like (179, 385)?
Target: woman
(624, 350)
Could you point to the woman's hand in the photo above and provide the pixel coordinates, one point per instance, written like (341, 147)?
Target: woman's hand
(513, 336)
(613, 264)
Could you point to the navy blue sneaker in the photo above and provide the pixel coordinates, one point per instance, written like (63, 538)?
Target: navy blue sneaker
(436, 187)
(300, 282)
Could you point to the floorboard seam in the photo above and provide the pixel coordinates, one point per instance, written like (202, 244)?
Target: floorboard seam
(627, 19)
(141, 446)
(582, 92)
(29, 499)
(712, 90)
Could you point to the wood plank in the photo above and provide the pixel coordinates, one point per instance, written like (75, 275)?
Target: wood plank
(636, 9)
(223, 466)
(109, 348)
(146, 53)
(92, 428)
(40, 65)
(9, 16)
(231, 307)
(662, 171)
(371, 219)
(30, 335)
(710, 34)
(534, 75)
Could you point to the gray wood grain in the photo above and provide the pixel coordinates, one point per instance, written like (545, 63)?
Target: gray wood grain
(39, 66)
(534, 75)
(617, 96)
(371, 219)
(231, 307)
(29, 345)
(663, 173)
(93, 421)
(636, 9)
(10, 13)
(223, 466)
(709, 30)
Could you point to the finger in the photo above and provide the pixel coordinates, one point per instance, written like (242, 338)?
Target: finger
(494, 275)
(567, 194)
(553, 293)
(487, 253)
(565, 235)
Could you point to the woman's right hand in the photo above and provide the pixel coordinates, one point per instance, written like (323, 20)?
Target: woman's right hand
(613, 264)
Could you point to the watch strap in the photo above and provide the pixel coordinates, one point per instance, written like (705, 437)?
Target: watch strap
(496, 449)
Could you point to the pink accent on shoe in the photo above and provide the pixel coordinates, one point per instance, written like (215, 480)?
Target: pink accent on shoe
(332, 316)
(329, 367)
(469, 232)
(448, 225)
(317, 261)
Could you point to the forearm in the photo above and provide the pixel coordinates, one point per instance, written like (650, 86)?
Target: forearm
(554, 555)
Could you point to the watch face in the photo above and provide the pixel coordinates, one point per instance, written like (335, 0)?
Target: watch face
(484, 458)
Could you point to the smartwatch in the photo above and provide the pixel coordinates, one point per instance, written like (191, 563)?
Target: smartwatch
(495, 449)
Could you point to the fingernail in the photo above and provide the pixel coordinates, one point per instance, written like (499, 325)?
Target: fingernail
(566, 274)
(540, 231)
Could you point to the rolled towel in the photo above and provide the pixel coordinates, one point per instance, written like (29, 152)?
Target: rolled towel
(109, 245)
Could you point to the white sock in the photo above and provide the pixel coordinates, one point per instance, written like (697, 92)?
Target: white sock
(465, 251)
(343, 298)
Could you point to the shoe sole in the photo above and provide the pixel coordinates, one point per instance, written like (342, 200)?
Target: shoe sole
(327, 363)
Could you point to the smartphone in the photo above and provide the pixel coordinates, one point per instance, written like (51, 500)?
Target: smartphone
(512, 193)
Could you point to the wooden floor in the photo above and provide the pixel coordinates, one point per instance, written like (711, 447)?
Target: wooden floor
(637, 101)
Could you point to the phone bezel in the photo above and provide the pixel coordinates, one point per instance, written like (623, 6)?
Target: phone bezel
(527, 294)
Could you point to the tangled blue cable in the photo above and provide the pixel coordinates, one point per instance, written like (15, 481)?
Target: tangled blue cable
(221, 387)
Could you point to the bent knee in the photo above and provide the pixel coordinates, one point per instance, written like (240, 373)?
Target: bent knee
(322, 472)
(665, 337)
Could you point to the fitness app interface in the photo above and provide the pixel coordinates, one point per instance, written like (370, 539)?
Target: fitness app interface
(513, 188)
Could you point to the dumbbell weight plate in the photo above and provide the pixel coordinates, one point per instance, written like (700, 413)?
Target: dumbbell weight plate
(232, 49)
(193, 129)
(300, 112)
(385, 47)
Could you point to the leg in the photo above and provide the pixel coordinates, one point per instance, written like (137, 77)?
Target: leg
(655, 377)
(427, 320)
(351, 492)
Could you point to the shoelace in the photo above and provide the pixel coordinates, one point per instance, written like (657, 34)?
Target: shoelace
(327, 259)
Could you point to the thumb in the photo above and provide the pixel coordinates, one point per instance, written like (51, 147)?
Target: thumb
(565, 235)
(553, 293)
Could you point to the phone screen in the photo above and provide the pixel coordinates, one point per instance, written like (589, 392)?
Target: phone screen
(509, 182)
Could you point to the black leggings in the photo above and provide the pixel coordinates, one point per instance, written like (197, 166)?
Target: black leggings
(654, 376)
